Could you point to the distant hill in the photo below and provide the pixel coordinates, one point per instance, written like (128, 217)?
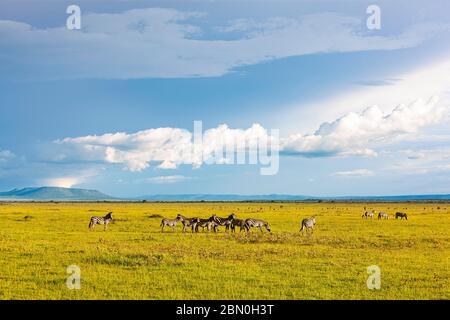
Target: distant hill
(222, 197)
(54, 193)
(284, 197)
(71, 194)
(419, 197)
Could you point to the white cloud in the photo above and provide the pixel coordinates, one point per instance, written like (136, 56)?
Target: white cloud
(157, 42)
(67, 181)
(167, 179)
(424, 81)
(170, 146)
(355, 134)
(135, 151)
(167, 165)
(354, 173)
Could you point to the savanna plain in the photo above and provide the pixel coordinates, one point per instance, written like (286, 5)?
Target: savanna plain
(133, 259)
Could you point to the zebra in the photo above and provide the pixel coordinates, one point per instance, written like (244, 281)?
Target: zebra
(256, 223)
(401, 215)
(239, 223)
(101, 220)
(187, 222)
(211, 224)
(308, 223)
(224, 221)
(206, 223)
(368, 214)
(383, 215)
(169, 222)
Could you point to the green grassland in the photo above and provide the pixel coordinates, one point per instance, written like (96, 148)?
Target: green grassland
(134, 260)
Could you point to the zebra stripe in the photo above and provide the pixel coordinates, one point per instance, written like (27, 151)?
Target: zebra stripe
(368, 214)
(257, 223)
(308, 223)
(239, 223)
(401, 215)
(383, 215)
(101, 220)
(170, 223)
(188, 222)
(225, 221)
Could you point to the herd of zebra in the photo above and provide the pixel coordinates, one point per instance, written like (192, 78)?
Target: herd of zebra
(231, 222)
(212, 223)
(384, 215)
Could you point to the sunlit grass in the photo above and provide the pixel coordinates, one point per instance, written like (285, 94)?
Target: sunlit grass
(134, 260)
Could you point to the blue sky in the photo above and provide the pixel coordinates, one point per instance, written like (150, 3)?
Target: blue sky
(310, 69)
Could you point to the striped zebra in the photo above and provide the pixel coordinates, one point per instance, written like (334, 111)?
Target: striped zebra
(239, 223)
(401, 215)
(169, 223)
(368, 214)
(308, 223)
(206, 223)
(256, 223)
(211, 225)
(383, 215)
(101, 220)
(187, 222)
(225, 221)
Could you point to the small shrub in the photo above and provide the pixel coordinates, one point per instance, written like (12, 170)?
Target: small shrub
(155, 215)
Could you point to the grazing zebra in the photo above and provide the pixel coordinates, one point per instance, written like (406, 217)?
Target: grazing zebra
(101, 220)
(308, 223)
(401, 215)
(170, 223)
(239, 223)
(187, 222)
(368, 215)
(211, 225)
(224, 221)
(206, 223)
(257, 223)
(383, 215)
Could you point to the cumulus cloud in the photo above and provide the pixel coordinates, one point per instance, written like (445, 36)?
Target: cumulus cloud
(429, 80)
(169, 146)
(135, 151)
(354, 134)
(156, 42)
(354, 173)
